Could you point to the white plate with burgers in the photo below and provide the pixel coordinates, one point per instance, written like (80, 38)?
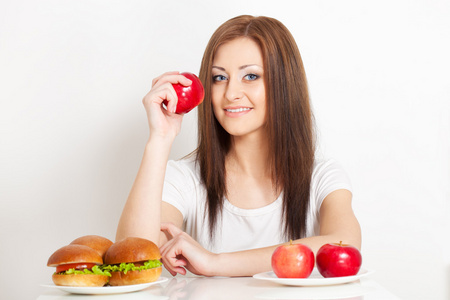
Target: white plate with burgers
(105, 290)
(84, 267)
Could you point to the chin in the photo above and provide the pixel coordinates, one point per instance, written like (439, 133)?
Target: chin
(242, 132)
(243, 126)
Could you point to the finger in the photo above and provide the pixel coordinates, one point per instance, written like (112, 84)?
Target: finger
(173, 269)
(171, 97)
(172, 257)
(167, 80)
(170, 228)
(168, 247)
(181, 262)
(185, 81)
(173, 273)
(155, 80)
(160, 94)
(171, 78)
(177, 263)
(168, 266)
(172, 102)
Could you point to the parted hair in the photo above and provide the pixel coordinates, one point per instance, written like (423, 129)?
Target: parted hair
(290, 128)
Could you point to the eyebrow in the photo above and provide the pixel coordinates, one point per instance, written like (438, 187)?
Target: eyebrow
(220, 68)
(240, 68)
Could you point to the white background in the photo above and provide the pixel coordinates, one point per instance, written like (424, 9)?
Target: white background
(73, 74)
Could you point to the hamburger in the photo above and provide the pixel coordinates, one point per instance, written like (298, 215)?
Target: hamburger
(78, 265)
(96, 242)
(133, 260)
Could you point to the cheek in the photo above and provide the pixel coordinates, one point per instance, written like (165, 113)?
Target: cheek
(214, 95)
(215, 99)
(259, 96)
(216, 111)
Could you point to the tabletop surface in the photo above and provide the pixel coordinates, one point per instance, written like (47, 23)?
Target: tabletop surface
(236, 288)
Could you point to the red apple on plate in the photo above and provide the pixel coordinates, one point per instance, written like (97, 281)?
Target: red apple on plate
(292, 261)
(337, 260)
(188, 96)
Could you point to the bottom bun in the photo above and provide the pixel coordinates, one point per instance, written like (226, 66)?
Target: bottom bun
(135, 277)
(80, 280)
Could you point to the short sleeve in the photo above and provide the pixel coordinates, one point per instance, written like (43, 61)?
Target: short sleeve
(179, 187)
(328, 176)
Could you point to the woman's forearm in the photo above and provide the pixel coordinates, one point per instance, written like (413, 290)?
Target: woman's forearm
(250, 262)
(141, 215)
(337, 223)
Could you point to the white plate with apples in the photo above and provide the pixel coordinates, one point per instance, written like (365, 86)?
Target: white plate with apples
(315, 279)
(296, 264)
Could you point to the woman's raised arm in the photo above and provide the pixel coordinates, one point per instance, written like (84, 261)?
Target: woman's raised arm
(141, 216)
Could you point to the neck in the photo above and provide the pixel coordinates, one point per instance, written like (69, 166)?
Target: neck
(249, 155)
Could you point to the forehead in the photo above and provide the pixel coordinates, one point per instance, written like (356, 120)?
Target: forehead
(240, 51)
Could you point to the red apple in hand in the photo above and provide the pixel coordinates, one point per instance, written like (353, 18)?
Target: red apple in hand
(293, 261)
(188, 96)
(337, 260)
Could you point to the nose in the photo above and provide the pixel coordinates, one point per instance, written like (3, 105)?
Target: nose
(234, 91)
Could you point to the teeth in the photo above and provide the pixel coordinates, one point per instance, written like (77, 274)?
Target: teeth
(237, 110)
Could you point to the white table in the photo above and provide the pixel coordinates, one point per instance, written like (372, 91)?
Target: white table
(199, 288)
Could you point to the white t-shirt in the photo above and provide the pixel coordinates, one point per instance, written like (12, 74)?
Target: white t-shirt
(243, 229)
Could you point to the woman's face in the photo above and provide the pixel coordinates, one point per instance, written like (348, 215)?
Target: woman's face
(238, 91)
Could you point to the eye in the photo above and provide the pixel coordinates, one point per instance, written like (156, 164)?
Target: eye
(217, 78)
(251, 77)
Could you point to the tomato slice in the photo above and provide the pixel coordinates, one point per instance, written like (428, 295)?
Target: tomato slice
(78, 266)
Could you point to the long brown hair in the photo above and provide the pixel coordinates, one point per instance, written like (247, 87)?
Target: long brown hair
(289, 121)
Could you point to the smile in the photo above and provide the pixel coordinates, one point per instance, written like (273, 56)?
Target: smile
(237, 110)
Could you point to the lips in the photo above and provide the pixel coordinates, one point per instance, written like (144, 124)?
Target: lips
(236, 111)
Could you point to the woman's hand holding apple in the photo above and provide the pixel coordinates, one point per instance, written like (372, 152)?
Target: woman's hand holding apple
(163, 122)
(188, 96)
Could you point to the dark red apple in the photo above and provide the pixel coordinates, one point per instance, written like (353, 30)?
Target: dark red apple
(337, 260)
(188, 96)
(293, 261)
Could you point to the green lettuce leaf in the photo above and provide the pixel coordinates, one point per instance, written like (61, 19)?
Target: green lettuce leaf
(96, 270)
(126, 267)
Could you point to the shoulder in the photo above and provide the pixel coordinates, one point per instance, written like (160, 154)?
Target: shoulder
(328, 175)
(182, 187)
(182, 169)
(326, 167)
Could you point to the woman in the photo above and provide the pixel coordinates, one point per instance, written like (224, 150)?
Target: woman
(253, 183)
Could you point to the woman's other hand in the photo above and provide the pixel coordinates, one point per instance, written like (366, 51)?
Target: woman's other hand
(182, 252)
(163, 121)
